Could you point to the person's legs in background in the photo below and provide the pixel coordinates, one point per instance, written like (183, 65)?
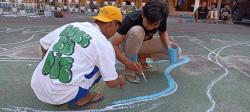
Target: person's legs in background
(228, 19)
(213, 17)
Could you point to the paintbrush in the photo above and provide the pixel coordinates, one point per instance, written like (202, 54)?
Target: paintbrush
(143, 75)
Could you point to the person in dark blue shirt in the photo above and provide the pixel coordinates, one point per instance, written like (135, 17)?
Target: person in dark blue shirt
(202, 13)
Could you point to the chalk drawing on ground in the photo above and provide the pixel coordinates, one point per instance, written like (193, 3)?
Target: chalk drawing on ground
(217, 52)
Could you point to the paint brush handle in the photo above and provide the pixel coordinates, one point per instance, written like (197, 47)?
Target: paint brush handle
(134, 58)
(144, 77)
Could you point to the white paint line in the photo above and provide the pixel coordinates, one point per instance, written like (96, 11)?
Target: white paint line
(29, 109)
(38, 26)
(19, 60)
(150, 109)
(213, 82)
(20, 47)
(3, 48)
(42, 26)
(184, 36)
(237, 68)
(9, 30)
(29, 31)
(33, 35)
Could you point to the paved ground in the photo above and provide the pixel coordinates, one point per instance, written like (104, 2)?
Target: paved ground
(220, 84)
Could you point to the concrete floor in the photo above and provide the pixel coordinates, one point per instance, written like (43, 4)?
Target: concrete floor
(202, 83)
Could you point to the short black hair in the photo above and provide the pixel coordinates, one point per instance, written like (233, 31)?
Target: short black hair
(213, 3)
(227, 3)
(154, 11)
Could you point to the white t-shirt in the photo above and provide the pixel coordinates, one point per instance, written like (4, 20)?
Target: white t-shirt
(66, 67)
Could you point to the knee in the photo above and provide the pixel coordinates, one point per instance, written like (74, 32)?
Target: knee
(136, 32)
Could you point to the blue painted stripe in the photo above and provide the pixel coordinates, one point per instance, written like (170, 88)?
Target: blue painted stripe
(80, 94)
(134, 57)
(97, 80)
(91, 74)
(171, 88)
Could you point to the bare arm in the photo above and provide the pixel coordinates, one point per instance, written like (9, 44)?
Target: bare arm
(164, 39)
(208, 15)
(196, 16)
(43, 51)
(116, 40)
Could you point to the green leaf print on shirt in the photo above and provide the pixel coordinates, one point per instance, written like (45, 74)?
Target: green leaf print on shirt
(59, 66)
(65, 75)
(69, 37)
(49, 62)
(66, 30)
(54, 71)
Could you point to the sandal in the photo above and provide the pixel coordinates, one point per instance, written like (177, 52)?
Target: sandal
(143, 61)
(132, 78)
(146, 65)
(95, 98)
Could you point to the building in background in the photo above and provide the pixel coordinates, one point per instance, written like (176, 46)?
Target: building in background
(192, 5)
(176, 7)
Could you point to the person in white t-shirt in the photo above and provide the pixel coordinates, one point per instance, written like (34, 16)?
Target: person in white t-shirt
(213, 14)
(75, 57)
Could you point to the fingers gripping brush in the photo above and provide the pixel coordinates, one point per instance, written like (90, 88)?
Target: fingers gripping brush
(134, 59)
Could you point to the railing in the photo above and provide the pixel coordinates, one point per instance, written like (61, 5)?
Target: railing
(23, 9)
(41, 9)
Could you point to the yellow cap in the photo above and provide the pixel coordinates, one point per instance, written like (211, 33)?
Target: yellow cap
(108, 14)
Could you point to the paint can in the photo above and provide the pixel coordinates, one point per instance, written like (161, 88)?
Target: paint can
(173, 54)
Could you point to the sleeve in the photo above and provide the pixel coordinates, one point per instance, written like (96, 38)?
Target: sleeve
(222, 10)
(105, 61)
(207, 10)
(198, 10)
(163, 25)
(125, 26)
(48, 39)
